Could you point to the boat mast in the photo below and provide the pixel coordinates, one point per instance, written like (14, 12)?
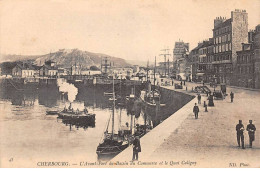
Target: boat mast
(113, 110)
(154, 75)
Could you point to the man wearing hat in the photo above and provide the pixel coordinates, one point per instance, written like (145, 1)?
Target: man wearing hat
(240, 130)
(251, 132)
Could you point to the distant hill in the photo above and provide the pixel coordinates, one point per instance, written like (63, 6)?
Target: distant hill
(137, 62)
(66, 58)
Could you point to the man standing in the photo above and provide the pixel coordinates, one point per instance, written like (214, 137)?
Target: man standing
(199, 99)
(251, 132)
(240, 130)
(196, 111)
(136, 148)
(232, 96)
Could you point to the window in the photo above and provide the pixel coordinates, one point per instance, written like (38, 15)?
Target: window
(228, 37)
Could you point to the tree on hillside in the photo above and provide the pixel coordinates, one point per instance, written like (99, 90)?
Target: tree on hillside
(94, 68)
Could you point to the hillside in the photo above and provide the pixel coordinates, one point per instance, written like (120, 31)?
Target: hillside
(68, 57)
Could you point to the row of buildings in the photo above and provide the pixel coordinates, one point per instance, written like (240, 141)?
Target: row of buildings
(230, 56)
(49, 70)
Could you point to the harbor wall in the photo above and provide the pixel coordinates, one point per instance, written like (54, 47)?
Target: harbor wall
(152, 140)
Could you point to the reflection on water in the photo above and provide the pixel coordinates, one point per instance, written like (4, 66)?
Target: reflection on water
(26, 128)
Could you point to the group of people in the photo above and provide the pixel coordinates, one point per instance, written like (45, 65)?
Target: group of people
(240, 133)
(70, 109)
(239, 127)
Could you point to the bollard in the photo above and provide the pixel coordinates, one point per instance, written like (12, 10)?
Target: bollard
(206, 108)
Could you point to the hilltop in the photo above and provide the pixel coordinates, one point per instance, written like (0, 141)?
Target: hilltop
(66, 58)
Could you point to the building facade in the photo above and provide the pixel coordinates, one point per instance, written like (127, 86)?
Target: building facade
(180, 57)
(228, 35)
(25, 71)
(248, 61)
(48, 70)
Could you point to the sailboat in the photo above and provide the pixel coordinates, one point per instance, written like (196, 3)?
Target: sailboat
(152, 100)
(149, 96)
(112, 143)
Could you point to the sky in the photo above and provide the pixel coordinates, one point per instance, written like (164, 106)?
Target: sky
(132, 30)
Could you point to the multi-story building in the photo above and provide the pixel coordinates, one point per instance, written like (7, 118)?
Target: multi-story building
(205, 57)
(256, 47)
(194, 62)
(180, 49)
(180, 54)
(228, 35)
(245, 66)
(48, 69)
(248, 61)
(25, 70)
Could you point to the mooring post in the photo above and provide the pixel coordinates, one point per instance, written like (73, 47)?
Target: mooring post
(206, 107)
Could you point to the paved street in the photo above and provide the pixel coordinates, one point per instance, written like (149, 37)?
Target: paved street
(211, 140)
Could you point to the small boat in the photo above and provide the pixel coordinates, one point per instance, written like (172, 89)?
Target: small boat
(112, 143)
(52, 112)
(150, 100)
(78, 118)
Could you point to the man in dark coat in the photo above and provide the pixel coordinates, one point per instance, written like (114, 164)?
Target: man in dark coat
(211, 101)
(231, 96)
(196, 111)
(136, 148)
(251, 132)
(240, 130)
(199, 99)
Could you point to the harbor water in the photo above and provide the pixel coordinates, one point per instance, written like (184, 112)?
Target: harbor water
(28, 135)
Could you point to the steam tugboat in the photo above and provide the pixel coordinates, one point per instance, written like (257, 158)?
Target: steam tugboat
(77, 118)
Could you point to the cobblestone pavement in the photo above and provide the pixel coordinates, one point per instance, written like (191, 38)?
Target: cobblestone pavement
(210, 141)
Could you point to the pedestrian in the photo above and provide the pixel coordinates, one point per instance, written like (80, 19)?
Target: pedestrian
(136, 148)
(181, 82)
(199, 99)
(251, 132)
(231, 96)
(211, 101)
(184, 82)
(196, 111)
(240, 134)
(172, 82)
